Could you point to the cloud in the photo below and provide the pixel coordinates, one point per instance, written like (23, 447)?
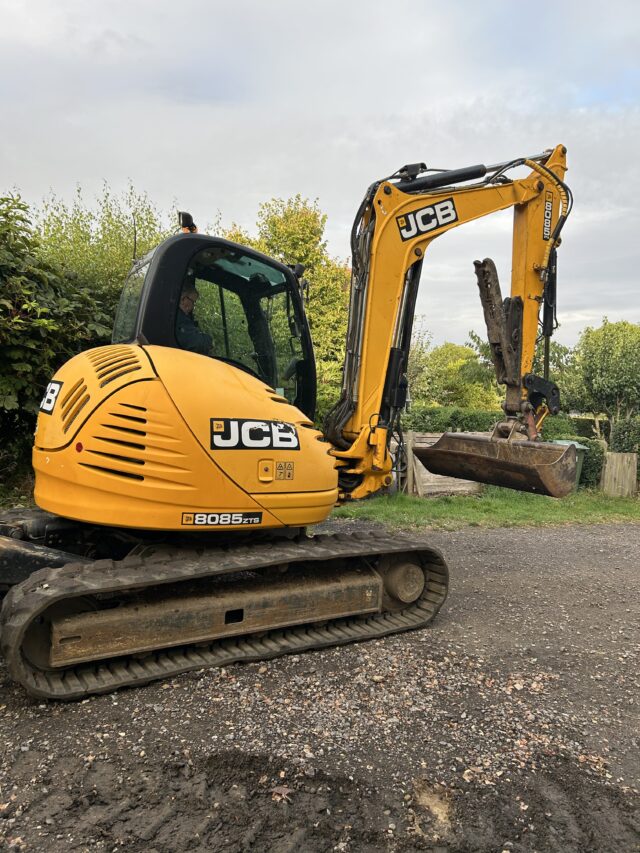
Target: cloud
(221, 106)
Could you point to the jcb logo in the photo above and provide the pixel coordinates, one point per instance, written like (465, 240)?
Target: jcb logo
(427, 219)
(50, 396)
(238, 434)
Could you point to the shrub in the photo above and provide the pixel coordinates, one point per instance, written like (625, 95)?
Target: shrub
(449, 419)
(625, 436)
(97, 243)
(593, 459)
(45, 318)
(586, 426)
(557, 426)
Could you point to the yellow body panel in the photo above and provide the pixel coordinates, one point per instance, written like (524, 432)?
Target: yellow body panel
(139, 454)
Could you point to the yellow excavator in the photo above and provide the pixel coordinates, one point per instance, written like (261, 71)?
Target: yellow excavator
(178, 469)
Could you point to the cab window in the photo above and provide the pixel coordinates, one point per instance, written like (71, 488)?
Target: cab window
(125, 322)
(238, 309)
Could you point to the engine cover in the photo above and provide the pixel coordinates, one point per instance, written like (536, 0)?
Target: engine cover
(158, 438)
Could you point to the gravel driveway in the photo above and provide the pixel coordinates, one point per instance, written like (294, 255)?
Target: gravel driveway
(511, 724)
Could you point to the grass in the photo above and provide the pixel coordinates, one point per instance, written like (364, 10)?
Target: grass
(494, 507)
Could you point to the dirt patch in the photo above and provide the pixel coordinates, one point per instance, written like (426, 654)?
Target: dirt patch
(511, 724)
(238, 802)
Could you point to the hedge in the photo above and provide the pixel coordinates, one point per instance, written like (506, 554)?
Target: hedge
(449, 419)
(45, 318)
(625, 437)
(557, 426)
(585, 426)
(456, 419)
(593, 458)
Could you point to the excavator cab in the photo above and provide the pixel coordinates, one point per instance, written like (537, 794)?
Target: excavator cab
(216, 298)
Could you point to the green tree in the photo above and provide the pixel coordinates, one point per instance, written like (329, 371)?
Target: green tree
(563, 370)
(482, 349)
(458, 378)
(452, 374)
(293, 231)
(45, 318)
(560, 360)
(608, 362)
(417, 368)
(96, 245)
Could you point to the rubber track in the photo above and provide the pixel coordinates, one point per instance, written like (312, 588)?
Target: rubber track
(27, 600)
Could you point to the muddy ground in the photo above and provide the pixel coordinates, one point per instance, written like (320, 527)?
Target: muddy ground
(510, 725)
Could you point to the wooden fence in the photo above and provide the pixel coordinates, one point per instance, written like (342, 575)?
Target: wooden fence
(423, 483)
(620, 475)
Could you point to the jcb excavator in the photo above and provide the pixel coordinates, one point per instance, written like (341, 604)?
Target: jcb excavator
(178, 468)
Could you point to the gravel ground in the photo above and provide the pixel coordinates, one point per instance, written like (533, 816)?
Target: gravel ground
(510, 725)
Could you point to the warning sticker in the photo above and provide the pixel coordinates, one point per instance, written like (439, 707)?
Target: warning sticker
(284, 470)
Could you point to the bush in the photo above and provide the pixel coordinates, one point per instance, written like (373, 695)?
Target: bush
(45, 318)
(557, 426)
(450, 419)
(593, 459)
(586, 426)
(95, 244)
(456, 419)
(625, 436)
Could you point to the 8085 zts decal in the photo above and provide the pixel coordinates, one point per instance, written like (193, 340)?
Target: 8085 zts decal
(548, 215)
(427, 218)
(241, 434)
(220, 519)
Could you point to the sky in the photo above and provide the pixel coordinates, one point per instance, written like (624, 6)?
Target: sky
(216, 106)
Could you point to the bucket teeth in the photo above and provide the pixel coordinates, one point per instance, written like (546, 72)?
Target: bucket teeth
(528, 466)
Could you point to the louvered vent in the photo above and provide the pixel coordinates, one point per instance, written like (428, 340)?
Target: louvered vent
(128, 475)
(122, 445)
(112, 362)
(134, 443)
(73, 403)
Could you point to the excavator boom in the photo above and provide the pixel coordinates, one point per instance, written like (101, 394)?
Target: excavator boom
(397, 222)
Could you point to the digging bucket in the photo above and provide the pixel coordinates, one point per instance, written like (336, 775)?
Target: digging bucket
(528, 466)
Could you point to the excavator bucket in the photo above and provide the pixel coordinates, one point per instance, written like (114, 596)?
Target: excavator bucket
(528, 466)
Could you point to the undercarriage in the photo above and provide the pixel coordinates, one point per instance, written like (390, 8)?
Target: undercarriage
(81, 623)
